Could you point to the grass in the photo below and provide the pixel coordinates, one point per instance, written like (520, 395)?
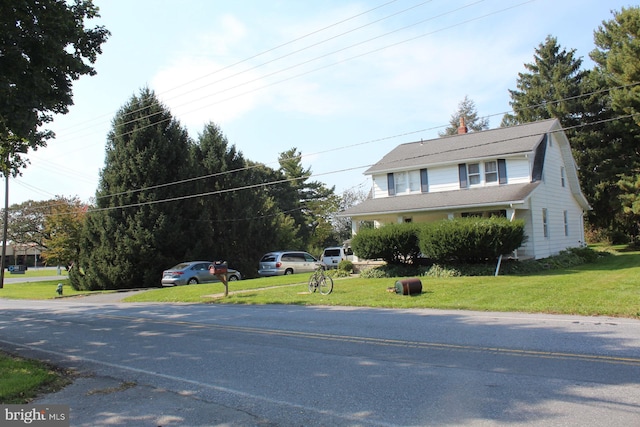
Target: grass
(38, 290)
(608, 287)
(21, 379)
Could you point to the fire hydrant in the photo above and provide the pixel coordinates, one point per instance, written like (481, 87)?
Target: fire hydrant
(59, 289)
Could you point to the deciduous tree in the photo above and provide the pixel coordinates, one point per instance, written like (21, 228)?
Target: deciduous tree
(63, 227)
(44, 47)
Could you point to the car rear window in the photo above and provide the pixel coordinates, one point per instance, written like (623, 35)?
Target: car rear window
(268, 258)
(332, 252)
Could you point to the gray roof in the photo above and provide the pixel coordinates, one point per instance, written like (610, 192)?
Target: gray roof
(497, 195)
(503, 142)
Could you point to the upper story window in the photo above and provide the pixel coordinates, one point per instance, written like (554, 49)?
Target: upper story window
(473, 173)
(562, 176)
(408, 182)
(401, 182)
(491, 171)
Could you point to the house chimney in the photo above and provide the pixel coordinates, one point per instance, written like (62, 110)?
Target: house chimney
(463, 128)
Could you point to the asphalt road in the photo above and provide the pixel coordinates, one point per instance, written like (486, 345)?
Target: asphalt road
(209, 365)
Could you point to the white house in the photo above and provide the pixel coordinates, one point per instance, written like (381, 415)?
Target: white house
(521, 172)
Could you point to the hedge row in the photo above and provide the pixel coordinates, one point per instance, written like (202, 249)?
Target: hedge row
(461, 239)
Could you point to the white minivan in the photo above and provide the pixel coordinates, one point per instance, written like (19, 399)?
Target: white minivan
(332, 256)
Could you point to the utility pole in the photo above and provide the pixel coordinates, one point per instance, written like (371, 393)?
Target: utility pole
(4, 227)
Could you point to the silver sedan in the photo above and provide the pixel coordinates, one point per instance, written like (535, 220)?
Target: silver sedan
(194, 272)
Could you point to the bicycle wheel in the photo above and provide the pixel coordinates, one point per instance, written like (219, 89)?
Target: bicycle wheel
(313, 283)
(326, 285)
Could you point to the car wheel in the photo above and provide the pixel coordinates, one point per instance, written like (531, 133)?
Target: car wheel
(192, 281)
(288, 271)
(232, 278)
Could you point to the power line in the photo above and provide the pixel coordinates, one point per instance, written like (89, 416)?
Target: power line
(316, 175)
(345, 147)
(322, 57)
(262, 53)
(351, 146)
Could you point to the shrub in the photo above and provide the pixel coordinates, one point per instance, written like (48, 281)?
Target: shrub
(470, 239)
(345, 265)
(394, 243)
(372, 273)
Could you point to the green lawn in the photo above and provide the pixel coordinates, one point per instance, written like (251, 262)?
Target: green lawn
(23, 379)
(610, 287)
(35, 272)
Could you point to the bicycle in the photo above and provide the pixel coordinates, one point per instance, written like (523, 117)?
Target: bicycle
(320, 281)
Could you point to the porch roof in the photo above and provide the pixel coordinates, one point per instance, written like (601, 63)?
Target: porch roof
(477, 198)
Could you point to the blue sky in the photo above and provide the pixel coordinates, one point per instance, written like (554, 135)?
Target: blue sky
(342, 81)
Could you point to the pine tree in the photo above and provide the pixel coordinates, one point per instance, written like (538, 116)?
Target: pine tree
(467, 111)
(610, 146)
(238, 221)
(140, 223)
(551, 88)
(617, 55)
(309, 203)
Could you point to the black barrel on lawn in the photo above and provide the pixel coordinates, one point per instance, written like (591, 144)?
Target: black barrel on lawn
(411, 286)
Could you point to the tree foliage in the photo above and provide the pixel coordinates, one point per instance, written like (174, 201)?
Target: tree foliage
(617, 55)
(342, 225)
(594, 107)
(467, 110)
(609, 151)
(309, 203)
(140, 224)
(63, 227)
(237, 220)
(44, 47)
(550, 89)
(26, 222)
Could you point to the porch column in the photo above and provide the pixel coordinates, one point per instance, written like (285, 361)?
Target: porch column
(355, 227)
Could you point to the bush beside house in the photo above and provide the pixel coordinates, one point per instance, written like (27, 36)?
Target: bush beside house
(461, 239)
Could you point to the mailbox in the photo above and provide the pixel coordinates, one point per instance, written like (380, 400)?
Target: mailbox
(218, 267)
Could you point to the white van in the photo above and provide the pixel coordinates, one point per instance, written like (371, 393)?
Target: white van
(332, 256)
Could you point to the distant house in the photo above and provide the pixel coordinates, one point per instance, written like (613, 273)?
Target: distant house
(522, 172)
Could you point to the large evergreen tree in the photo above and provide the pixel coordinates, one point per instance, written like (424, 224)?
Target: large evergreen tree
(139, 226)
(550, 89)
(617, 55)
(236, 219)
(617, 58)
(466, 110)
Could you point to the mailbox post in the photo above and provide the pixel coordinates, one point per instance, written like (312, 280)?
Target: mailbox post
(219, 269)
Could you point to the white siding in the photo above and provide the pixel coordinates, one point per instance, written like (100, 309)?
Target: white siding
(556, 199)
(443, 178)
(380, 188)
(518, 171)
